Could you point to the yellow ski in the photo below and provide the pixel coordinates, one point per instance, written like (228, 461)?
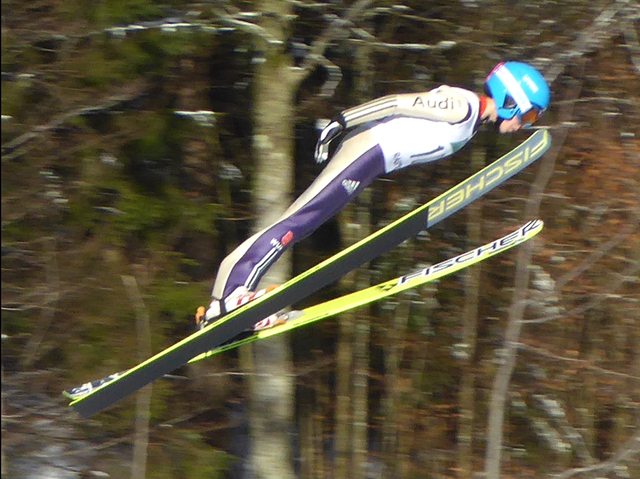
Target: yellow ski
(297, 319)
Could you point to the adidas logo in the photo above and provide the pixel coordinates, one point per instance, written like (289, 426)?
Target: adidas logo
(350, 186)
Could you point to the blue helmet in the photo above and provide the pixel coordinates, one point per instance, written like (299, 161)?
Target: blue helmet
(518, 89)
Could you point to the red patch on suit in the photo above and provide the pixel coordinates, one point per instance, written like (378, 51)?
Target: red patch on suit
(286, 239)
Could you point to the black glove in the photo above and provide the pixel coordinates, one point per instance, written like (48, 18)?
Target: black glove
(332, 130)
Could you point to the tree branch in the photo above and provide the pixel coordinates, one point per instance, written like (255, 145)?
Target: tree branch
(143, 399)
(627, 451)
(582, 362)
(631, 42)
(589, 40)
(47, 314)
(597, 255)
(18, 146)
(247, 27)
(624, 277)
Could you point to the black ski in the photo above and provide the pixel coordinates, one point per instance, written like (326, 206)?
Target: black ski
(297, 319)
(317, 277)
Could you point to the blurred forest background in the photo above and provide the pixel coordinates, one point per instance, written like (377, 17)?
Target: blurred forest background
(143, 139)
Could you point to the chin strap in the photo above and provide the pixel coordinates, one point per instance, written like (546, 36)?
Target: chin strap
(483, 105)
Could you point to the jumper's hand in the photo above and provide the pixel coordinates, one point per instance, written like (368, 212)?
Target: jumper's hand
(332, 130)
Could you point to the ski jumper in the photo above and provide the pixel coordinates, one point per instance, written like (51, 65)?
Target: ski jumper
(390, 133)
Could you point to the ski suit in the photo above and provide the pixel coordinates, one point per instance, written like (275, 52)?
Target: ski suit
(390, 133)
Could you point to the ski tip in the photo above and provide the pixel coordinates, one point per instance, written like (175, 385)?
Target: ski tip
(536, 224)
(531, 229)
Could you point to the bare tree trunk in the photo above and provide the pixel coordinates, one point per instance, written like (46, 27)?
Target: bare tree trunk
(360, 395)
(633, 386)
(469, 334)
(50, 302)
(514, 326)
(395, 339)
(306, 444)
(518, 301)
(322, 404)
(589, 404)
(272, 388)
(353, 368)
(143, 398)
(503, 376)
(502, 379)
(344, 355)
(364, 86)
(633, 391)
(407, 436)
(4, 465)
(634, 467)
(353, 342)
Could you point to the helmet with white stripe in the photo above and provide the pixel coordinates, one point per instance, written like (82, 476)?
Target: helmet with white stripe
(518, 89)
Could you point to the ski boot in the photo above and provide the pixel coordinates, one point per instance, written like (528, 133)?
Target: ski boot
(271, 321)
(239, 297)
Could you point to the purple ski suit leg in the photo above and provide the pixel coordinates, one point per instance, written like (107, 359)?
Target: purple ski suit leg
(357, 162)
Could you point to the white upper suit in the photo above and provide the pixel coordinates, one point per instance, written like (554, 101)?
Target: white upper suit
(387, 134)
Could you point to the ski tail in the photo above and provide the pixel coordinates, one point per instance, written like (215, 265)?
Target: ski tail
(328, 309)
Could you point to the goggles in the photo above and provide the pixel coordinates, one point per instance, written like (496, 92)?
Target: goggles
(527, 118)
